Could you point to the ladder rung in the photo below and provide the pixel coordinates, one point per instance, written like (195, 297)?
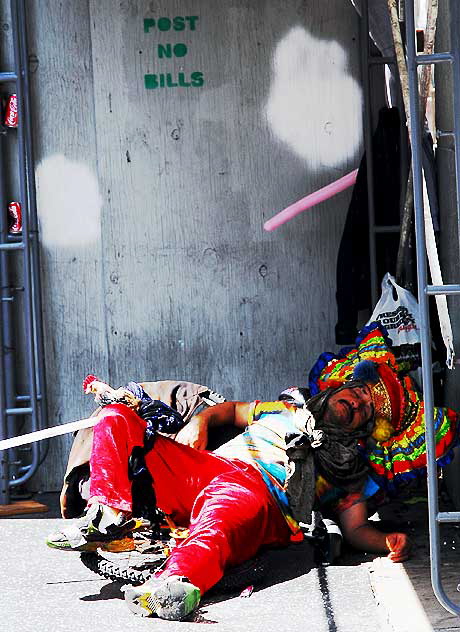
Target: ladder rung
(442, 289)
(380, 61)
(16, 245)
(387, 229)
(26, 398)
(18, 411)
(448, 516)
(7, 76)
(435, 58)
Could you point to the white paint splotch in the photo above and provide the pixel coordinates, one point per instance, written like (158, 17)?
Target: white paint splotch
(68, 203)
(314, 105)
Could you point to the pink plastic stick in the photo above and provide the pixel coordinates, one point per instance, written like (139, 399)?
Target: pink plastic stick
(311, 200)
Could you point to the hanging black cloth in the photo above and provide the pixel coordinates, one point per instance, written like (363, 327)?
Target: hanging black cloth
(353, 271)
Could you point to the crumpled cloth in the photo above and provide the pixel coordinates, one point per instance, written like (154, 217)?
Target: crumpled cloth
(301, 478)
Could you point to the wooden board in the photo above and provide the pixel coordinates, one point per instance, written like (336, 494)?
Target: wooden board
(22, 507)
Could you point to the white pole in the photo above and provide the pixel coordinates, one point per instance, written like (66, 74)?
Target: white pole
(47, 433)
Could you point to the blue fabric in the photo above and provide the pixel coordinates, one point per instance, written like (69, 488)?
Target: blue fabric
(159, 416)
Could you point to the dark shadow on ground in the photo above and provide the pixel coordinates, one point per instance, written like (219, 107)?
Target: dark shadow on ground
(279, 565)
(272, 567)
(108, 591)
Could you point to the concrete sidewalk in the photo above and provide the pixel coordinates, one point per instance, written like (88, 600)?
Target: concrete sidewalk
(403, 592)
(43, 589)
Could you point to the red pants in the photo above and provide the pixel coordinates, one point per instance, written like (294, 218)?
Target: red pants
(225, 502)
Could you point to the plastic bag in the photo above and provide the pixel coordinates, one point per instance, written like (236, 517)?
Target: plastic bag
(398, 311)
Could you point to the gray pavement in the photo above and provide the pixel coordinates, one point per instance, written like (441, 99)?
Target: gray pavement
(51, 591)
(43, 589)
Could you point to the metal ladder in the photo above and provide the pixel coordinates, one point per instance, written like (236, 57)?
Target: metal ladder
(370, 63)
(21, 312)
(424, 289)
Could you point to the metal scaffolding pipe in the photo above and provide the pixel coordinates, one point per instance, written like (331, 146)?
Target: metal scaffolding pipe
(432, 472)
(6, 339)
(15, 471)
(40, 380)
(443, 289)
(18, 43)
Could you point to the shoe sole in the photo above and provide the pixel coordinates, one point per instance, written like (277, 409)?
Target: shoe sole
(113, 546)
(161, 602)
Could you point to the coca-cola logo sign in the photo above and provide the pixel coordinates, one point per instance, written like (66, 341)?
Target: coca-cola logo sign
(11, 114)
(13, 103)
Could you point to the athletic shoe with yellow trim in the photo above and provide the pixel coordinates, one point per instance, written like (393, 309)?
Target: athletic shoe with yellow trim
(172, 598)
(100, 527)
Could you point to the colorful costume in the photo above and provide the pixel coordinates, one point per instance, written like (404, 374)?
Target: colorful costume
(234, 500)
(225, 501)
(238, 498)
(398, 451)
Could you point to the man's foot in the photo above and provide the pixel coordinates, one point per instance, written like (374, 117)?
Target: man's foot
(172, 598)
(100, 527)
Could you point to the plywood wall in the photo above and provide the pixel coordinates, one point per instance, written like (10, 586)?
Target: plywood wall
(152, 199)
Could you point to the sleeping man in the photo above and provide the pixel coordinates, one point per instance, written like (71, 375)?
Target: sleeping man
(362, 432)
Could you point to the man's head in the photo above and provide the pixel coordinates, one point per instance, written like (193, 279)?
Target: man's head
(351, 407)
(348, 409)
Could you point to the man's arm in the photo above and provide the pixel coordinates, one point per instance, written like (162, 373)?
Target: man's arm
(362, 535)
(195, 433)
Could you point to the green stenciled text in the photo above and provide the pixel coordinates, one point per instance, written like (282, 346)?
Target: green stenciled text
(170, 80)
(172, 50)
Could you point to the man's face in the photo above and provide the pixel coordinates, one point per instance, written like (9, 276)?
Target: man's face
(350, 407)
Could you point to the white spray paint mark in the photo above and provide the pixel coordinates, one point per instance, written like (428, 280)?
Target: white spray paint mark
(68, 203)
(314, 105)
(421, 11)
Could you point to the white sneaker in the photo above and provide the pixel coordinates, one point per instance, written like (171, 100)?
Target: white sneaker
(99, 527)
(172, 598)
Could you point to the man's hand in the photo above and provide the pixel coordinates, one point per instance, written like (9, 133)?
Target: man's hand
(194, 433)
(399, 546)
(364, 536)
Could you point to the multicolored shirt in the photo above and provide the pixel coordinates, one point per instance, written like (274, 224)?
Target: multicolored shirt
(263, 444)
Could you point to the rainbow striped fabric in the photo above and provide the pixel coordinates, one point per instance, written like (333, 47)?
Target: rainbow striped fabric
(263, 444)
(403, 455)
(331, 369)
